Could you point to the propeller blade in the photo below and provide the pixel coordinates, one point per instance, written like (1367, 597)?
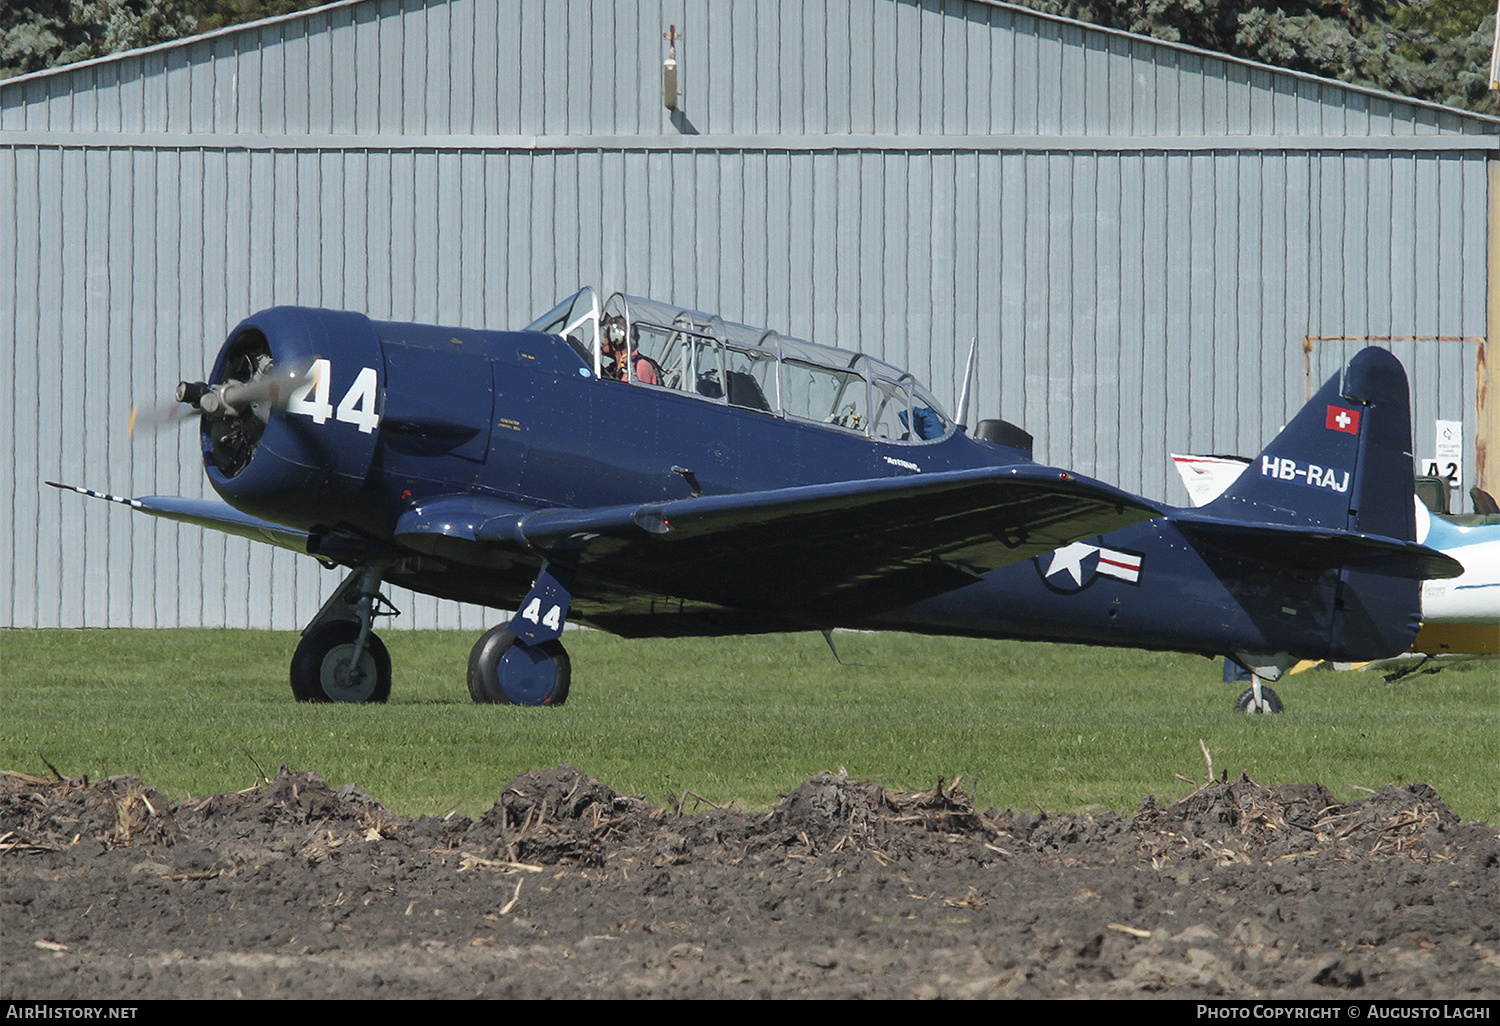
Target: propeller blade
(272, 389)
(157, 416)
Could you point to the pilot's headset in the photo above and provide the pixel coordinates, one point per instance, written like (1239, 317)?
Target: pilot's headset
(614, 346)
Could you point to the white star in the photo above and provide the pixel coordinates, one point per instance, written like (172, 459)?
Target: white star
(1070, 558)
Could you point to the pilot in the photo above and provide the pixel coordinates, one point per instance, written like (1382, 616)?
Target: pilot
(620, 355)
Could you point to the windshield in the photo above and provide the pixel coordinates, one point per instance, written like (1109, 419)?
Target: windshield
(575, 319)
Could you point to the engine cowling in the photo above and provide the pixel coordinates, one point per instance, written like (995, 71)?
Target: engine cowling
(297, 422)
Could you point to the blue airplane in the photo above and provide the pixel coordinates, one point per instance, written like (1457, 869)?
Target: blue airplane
(654, 471)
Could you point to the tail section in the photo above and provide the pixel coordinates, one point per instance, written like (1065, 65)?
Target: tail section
(1344, 462)
(1329, 504)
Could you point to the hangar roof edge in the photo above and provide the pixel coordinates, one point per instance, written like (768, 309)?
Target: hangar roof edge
(1000, 4)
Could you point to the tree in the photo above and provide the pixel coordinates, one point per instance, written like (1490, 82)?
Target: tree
(1435, 50)
(38, 34)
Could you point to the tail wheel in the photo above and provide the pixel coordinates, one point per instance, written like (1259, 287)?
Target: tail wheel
(503, 671)
(1270, 701)
(323, 670)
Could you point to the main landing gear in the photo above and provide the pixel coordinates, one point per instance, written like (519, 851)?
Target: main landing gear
(524, 662)
(505, 671)
(339, 658)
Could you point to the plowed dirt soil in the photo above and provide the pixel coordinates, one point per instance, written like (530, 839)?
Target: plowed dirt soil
(565, 888)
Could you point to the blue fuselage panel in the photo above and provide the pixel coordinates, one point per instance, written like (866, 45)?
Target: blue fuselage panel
(1140, 587)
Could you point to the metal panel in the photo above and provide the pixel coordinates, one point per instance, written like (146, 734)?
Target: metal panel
(18, 239)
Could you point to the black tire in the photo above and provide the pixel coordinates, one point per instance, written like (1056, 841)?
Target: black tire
(1270, 701)
(503, 671)
(321, 663)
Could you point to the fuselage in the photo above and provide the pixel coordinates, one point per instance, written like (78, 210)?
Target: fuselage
(1141, 587)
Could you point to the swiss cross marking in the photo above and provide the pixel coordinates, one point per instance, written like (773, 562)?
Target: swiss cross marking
(1341, 419)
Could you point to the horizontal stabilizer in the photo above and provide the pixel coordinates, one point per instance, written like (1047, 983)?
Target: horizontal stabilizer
(1314, 549)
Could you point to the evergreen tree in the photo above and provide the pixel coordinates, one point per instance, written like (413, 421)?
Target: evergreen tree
(38, 34)
(1435, 50)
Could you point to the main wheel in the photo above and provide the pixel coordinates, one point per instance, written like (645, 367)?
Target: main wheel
(322, 664)
(503, 671)
(1270, 701)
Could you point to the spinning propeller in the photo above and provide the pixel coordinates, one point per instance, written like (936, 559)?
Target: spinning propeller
(253, 398)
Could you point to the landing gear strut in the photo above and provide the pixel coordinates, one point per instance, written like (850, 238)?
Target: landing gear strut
(339, 658)
(524, 662)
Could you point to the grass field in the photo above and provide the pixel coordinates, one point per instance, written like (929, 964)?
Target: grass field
(194, 712)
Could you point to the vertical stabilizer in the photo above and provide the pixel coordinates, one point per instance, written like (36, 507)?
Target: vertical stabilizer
(1344, 462)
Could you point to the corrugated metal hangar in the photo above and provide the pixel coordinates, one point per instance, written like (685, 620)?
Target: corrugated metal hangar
(1149, 242)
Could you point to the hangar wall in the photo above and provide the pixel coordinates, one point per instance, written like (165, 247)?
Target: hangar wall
(1140, 235)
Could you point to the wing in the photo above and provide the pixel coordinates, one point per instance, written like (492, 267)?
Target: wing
(818, 553)
(813, 554)
(330, 546)
(206, 513)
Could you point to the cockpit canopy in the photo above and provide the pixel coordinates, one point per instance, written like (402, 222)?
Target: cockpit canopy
(751, 368)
